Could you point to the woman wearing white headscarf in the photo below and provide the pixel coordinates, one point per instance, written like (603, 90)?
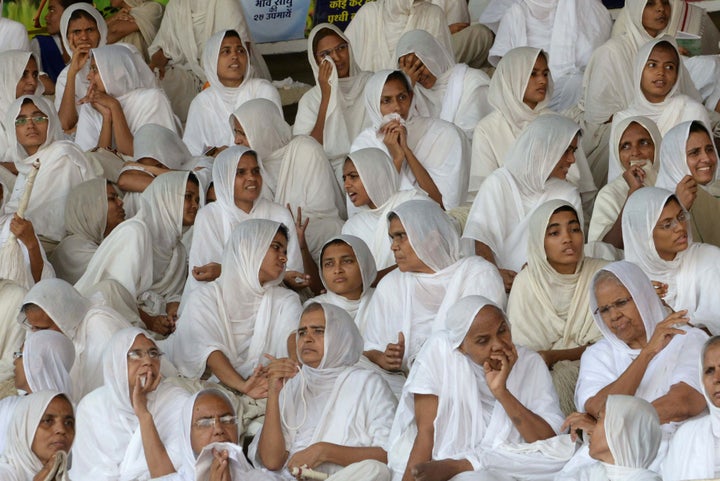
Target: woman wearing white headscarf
(657, 238)
(429, 153)
(315, 414)
(291, 166)
(504, 388)
(443, 89)
(227, 325)
(13, 35)
(136, 23)
(232, 83)
(128, 429)
(566, 30)
(123, 96)
(332, 112)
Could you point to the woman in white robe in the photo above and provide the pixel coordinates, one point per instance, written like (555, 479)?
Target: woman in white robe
(227, 325)
(128, 428)
(657, 238)
(231, 85)
(504, 388)
(13, 35)
(332, 112)
(136, 23)
(11, 332)
(123, 97)
(568, 31)
(429, 153)
(443, 89)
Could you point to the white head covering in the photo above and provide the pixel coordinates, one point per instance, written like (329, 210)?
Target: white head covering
(615, 166)
(640, 60)
(48, 357)
(673, 156)
(54, 131)
(61, 302)
(122, 69)
(378, 174)
(425, 47)
(210, 55)
(264, 126)
(14, 63)
(162, 144)
(224, 172)
(714, 410)
(334, 80)
(373, 94)
(461, 316)
(92, 11)
(115, 371)
(86, 210)
(629, 22)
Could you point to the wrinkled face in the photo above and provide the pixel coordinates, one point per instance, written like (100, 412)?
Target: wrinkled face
(21, 382)
(566, 161)
(341, 271)
(536, 89)
(620, 314)
(311, 337)
(52, 18)
(656, 16)
(83, 31)
(405, 256)
(273, 265)
(395, 98)
(711, 374)
(670, 234)
(30, 78)
(599, 448)
(636, 144)
(115, 212)
(354, 187)
(701, 158)
(31, 127)
(56, 430)
(191, 203)
(94, 77)
(38, 319)
(225, 430)
(426, 78)
(240, 135)
(248, 182)
(232, 62)
(564, 242)
(659, 74)
(489, 334)
(338, 50)
(146, 366)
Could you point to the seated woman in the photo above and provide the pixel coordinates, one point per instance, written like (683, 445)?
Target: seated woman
(372, 185)
(136, 23)
(227, 65)
(569, 34)
(332, 112)
(145, 254)
(471, 369)
(128, 429)
(688, 167)
(443, 89)
(122, 97)
(549, 301)
(657, 238)
(316, 417)
(12, 333)
(93, 209)
(227, 325)
(40, 436)
(296, 170)
(430, 154)
(634, 148)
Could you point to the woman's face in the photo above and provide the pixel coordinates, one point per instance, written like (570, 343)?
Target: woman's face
(341, 271)
(711, 374)
(656, 16)
(566, 161)
(406, 258)
(191, 203)
(670, 234)
(273, 264)
(489, 334)
(52, 18)
(240, 135)
(115, 211)
(83, 31)
(354, 187)
(232, 62)
(659, 74)
(426, 78)
(248, 182)
(31, 127)
(536, 89)
(56, 430)
(599, 448)
(338, 50)
(636, 144)
(143, 362)
(620, 314)
(38, 319)
(395, 98)
(564, 242)
(29, 81)
(211, 407)
(311, 337)
(701, 158)
(94, 78)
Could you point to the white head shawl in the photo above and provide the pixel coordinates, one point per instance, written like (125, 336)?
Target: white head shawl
(354, 69)
(373, 94)
(186, 419)
(639, 99)
(48, 357)
(714, 410)
(92, 11)
(673, 156)
(425, 47)
(86, 210)
(54, 132)
(61, 302)
(378, 174)
(366, 262)
(462, 314)
(210, 55)
(224, 171)
(430, 232)
(122, 69)
(629, 22)
(615, 166)
(14, 63)
(162, 144)
(264, 126)
(115, 371)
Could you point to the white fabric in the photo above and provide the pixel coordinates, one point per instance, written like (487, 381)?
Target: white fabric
(11, 333)
(693, 272)
(207, 118)
(13, 35)
(48, 357)
(14, 63)
(235, 314)
(162, 144)
(381, 181)
(673, 158)
(549, 310)
(147, 15)
(108, 444)
(491, 440)
(439, 146)
(501, 210)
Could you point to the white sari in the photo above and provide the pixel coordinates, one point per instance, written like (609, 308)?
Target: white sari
(147, 15)
(11, 332)
(14, 63)
(48, 357)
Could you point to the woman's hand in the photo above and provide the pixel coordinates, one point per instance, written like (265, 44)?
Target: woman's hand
(256, 386)
(391, 139)
(578, 422)
(412, 66)
(46, 469)
(324, 72)
(24, 231)
(300, 225)
(312, 456)
(686, 191)
(160, 324)
(139, 392)
(296, 280)
(661, 289)
(497, 369)
(278, 371)
(208, 272)
(392, 357)
(81, 54)
(220, 466)
(635, 178)
(665, 331)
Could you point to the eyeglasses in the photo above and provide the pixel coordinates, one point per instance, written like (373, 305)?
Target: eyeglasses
(40, 119)
(17, 355)
(604, 311)
(205, 423)
(137, 354)
(326, 53)
(670, 224)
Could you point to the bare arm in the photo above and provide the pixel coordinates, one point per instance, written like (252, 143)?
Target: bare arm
(156, 456)
(317, 132)
(319, 453)
(120, 25)
(135, 180)
(556, 355)
(680, 403)
(271, 447)
(255, 386)
(508, 276)
(24, 231)
(426, 406)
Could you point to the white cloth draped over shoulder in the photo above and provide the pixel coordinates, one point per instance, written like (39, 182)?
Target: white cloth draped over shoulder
(375, 30)
(11, 332)
(48, 357)
(207, 122)
(345, 117)
(147, 16)
(549, 310)
(501, 210)
(611, 198)
(108, 444)
(127, 78)
(382, 184)
(235, 314)
(673, 158)
(460, 93)
(566, 30)
(491, 442)
(690, 276)
(439, 146)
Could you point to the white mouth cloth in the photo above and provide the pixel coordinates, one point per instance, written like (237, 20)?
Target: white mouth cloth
(386, 120)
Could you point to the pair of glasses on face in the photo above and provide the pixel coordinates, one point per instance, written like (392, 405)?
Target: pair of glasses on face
(137, 354)
(670, 224)
(326, 53)
(204, 423)
(40, 119)
(604, 311)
